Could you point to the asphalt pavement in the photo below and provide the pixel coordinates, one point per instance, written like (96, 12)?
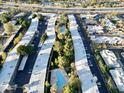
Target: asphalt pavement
(91, 61)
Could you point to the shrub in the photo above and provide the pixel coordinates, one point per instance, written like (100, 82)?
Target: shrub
(20, 20)
(9, 28)
(34, 15)
(53, 88)
(17, 39)
(67, 89)
(5, 18)
(40, 17)
(63, 62)
(25, 24)
(25, 50)
(3, 57)
(44, 37)
(47, 84)
(58, 47)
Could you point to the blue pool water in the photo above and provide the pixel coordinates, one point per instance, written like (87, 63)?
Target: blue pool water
(62, 29)
(60, 79)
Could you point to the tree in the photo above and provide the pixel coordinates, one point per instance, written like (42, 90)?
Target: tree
(20, 20)
(34, 15)
(1, 59)
(25, 23)
(60, 36)
(25, 50)
(68, 49)
(40, 17)
(67, 89)
(44, 37)
(9, 28)
(63, 62)
(58, 47)
(63, 20)
(74, 82)
(47, 84)
(53, 88)
(17, 39)
(5, 18)
(4, 55)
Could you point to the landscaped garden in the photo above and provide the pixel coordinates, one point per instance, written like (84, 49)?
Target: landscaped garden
(63, 60)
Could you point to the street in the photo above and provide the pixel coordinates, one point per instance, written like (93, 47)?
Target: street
(68, 10)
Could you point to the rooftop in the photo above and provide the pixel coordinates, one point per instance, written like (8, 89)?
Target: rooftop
(88, 82)
(118, 77)
(37, 80)
(11, 61)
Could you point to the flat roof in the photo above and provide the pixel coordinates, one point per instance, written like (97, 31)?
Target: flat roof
(108, 39)
(37, 80)
(110, 58)
(11, 61)
(118, 77)
(88, 82)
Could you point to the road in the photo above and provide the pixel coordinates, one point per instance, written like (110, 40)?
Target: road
(91, 61)
(23, 77)
(67, 10)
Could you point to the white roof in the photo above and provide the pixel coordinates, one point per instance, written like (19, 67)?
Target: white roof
(36, 84)
(20, 14)
(88, 15)
(109, 24)
(107, 39)
(95, 29)
(23, 63)
(118, 77)
(11, 61)
(88, 83)
(110, 58)
(48, 14)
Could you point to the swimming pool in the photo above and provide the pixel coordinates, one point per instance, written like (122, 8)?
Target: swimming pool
(60, 79)
(62, 29)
